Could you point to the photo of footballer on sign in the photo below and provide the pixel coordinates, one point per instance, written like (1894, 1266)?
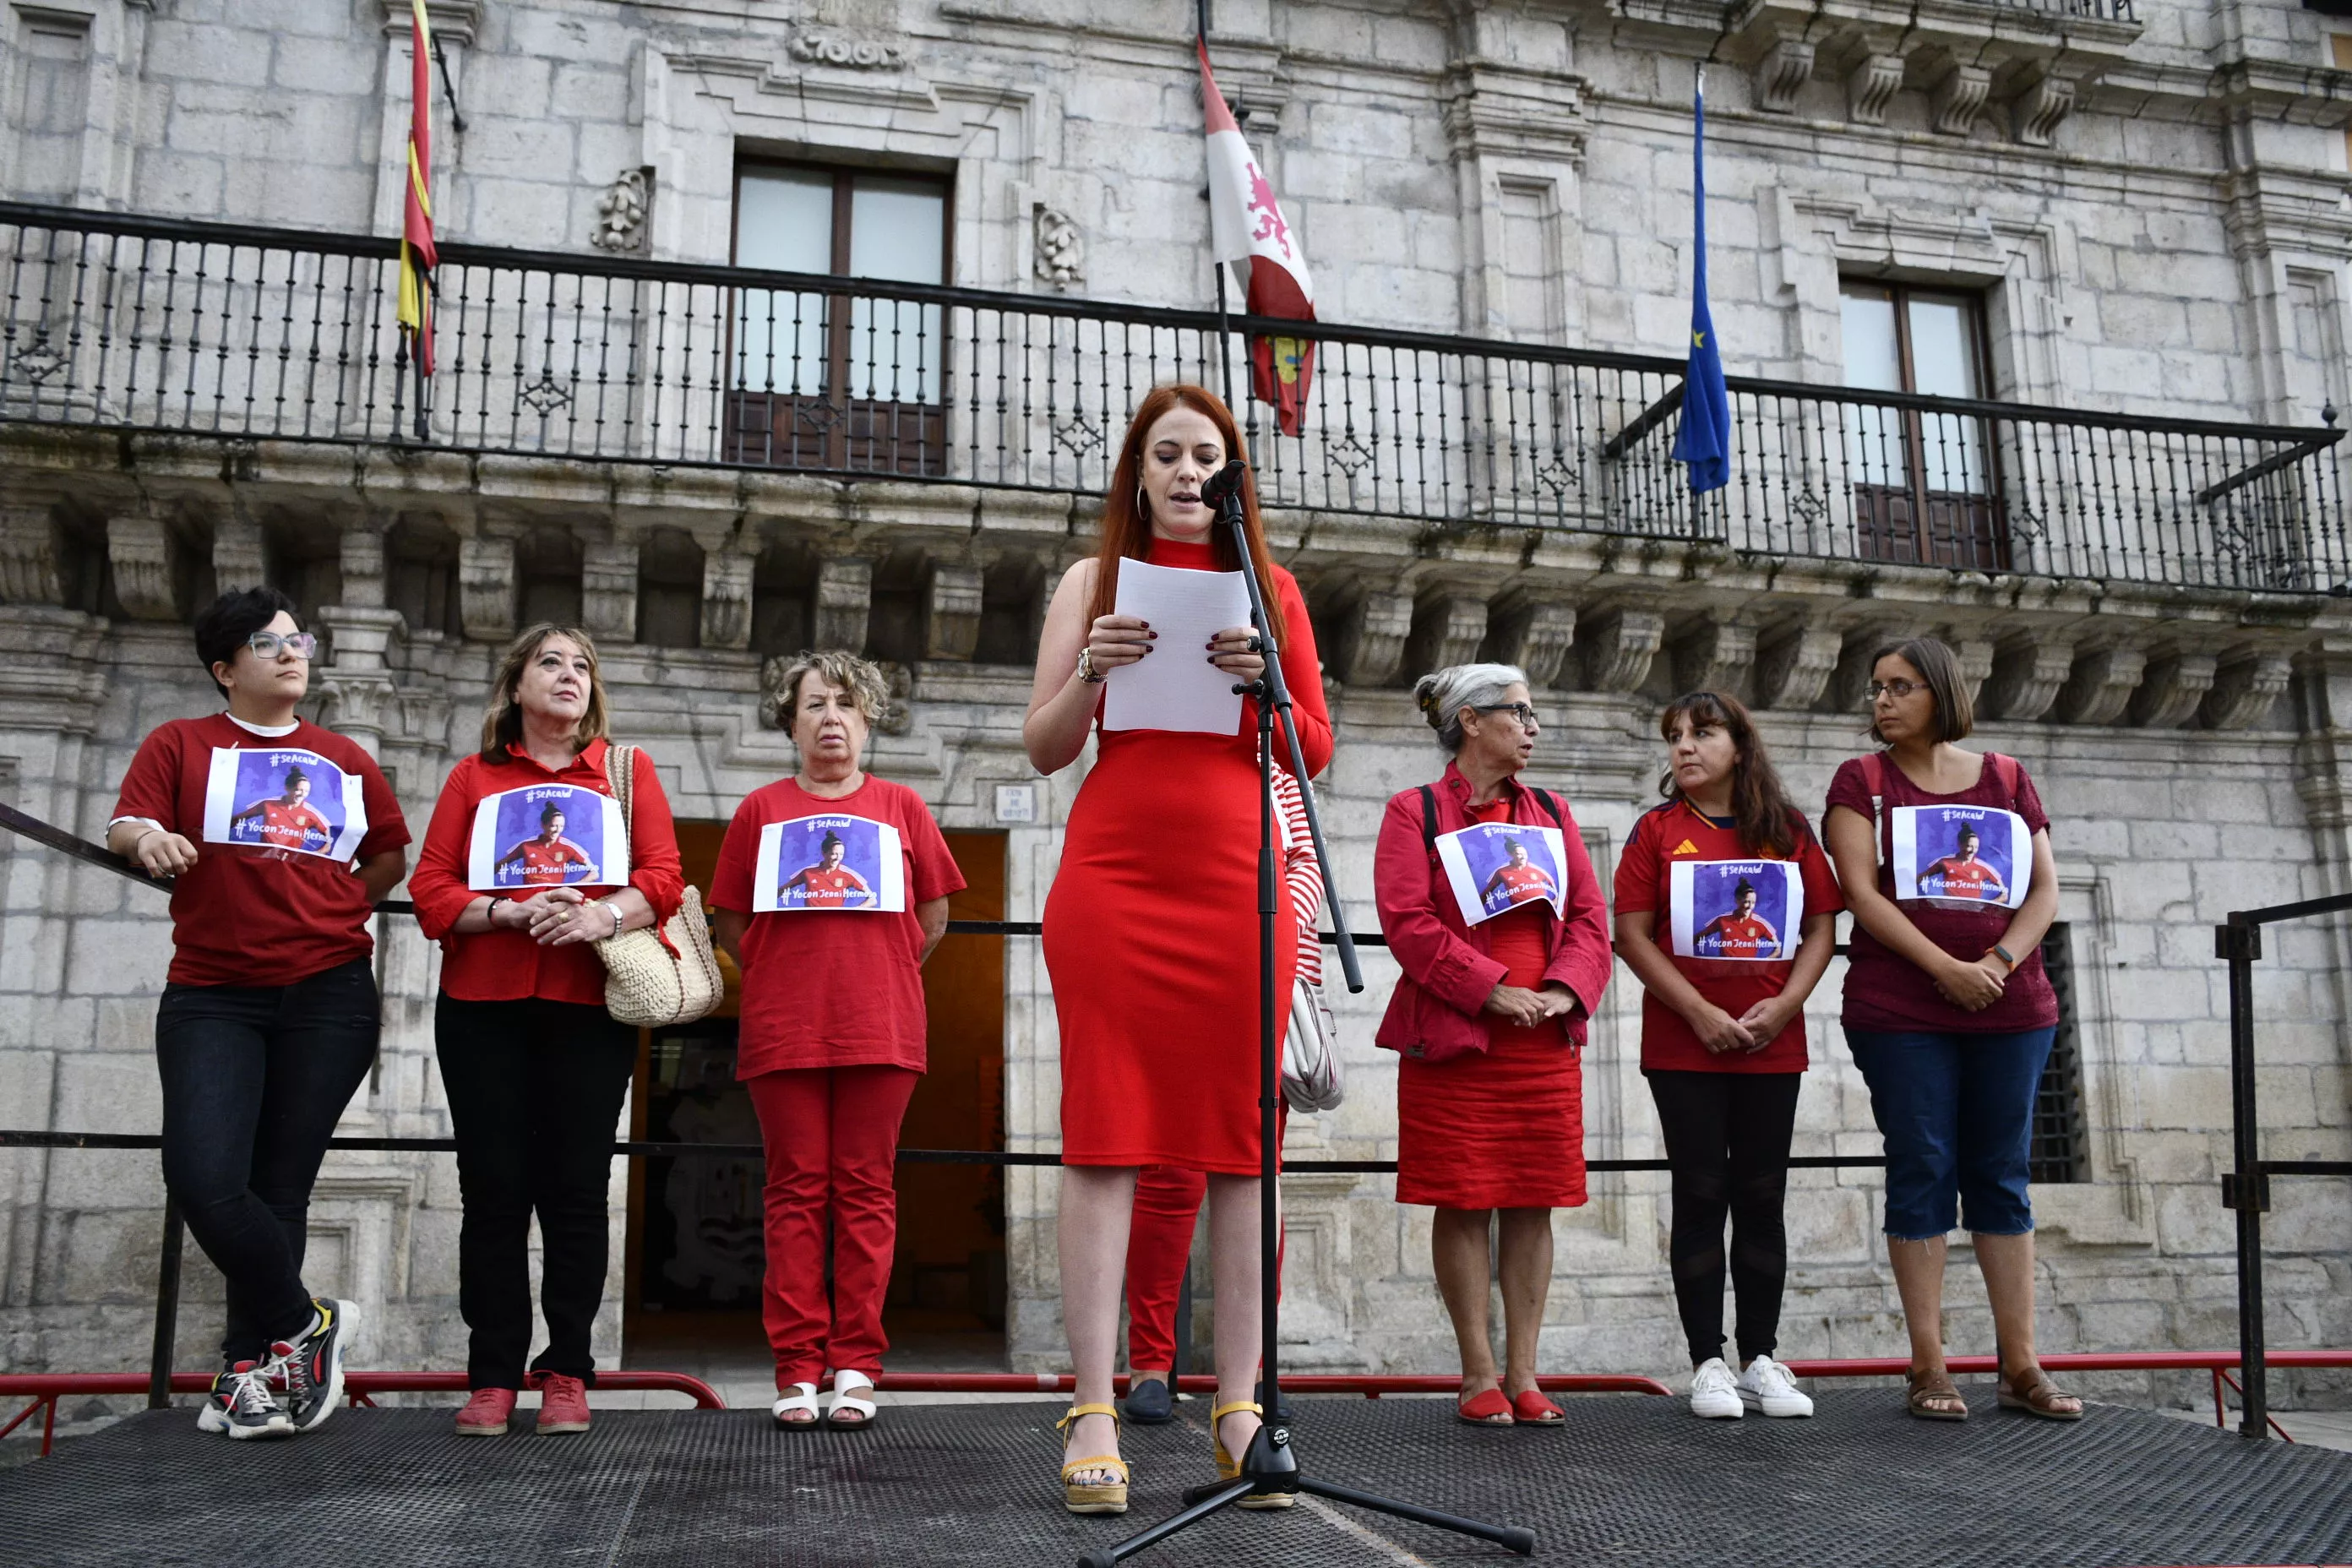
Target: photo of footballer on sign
(1496, 867)
(1747, 911)
(291, 800)
(1961, 857)
(830, 862)
(548, 835)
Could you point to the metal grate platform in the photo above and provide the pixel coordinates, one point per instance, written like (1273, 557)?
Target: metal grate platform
(1632, 1481)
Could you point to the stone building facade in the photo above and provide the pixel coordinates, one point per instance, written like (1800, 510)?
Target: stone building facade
(2134, 211)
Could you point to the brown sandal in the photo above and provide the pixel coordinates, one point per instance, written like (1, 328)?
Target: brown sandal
(1928, 1395)
(2037, 1397)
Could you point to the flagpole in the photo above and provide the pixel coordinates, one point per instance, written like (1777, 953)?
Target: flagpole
(1224, 330)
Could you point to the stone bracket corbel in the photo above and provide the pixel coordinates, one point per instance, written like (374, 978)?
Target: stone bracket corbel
(842, 603)
(2173, 688)
(1534, 635)
(608, 590)
(1714, 654)
(1793, 664)
(486, 588)
(1618, 644)
(2029, 670)
(727, 599)
(2100, 687)
(2248, 682)
(1449, 625)
(951, 606)
(1369, 648)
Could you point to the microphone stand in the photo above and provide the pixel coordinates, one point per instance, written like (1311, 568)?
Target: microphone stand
(1271, 1464)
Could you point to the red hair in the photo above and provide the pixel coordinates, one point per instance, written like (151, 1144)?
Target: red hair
(1127, 528)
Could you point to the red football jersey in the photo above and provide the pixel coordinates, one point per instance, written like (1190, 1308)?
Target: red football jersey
(290, 826)
(1735, 937)
(826, 889)
(544, 865)
(1523, 883)
(1965, 880)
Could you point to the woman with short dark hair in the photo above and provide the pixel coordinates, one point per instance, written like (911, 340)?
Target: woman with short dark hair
(270, 1017)
(832, 890)
(1947, 1011)
(536, 1068)
(1723, 1026)
(1489, 1018)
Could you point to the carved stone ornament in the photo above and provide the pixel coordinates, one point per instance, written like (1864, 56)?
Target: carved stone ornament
(2173, 688)
(2036, 113)
(1618, 648)
(1714, 654)
(1871, 86)
(2027, 672)
(620, 213)
(847, 54)
(2244, 690)
(1536, 637)
(843, 601)
(1794, 666)
(1061, 249)
(1371, 638)
(727, 600)
(951, 612)
(2101, 686)
(1958, 99)
(1447, 630)
(1781, 74)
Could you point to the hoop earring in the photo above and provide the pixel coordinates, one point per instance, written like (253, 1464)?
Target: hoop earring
(1142, 507)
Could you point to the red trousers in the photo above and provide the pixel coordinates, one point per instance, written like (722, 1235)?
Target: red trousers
(831, 1137)
(1168, 1201)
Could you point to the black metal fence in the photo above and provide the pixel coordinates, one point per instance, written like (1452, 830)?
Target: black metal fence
(142, 323)
(2238, 941)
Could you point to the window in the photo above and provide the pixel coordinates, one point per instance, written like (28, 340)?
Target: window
(825, 380)
(2061, 1148)
(51, 100)
(1924, 485)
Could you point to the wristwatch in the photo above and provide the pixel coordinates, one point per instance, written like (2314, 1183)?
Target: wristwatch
(1087, 667)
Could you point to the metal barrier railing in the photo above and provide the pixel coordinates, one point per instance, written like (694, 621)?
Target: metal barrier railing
(2238, 941)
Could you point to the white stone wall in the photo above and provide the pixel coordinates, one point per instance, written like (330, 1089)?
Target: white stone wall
(2166, 236)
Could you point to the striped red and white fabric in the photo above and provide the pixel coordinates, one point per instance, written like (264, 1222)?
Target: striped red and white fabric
(1301, 871)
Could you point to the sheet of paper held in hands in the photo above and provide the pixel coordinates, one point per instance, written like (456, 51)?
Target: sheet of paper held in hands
(1175, 687)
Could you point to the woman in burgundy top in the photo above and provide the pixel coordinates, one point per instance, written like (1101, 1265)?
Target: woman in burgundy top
(1947, 1011)
(535, 1068)
(1489, 1016)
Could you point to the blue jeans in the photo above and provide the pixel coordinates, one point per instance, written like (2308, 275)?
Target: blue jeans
(1956, 1113)
(254, 1079)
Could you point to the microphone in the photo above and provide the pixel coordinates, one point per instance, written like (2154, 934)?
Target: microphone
(1223, 489)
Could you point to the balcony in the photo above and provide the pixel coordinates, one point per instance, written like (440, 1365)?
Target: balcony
(145, 325)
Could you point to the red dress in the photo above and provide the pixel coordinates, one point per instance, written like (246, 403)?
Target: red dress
(1504, 1128)
(1151, 928)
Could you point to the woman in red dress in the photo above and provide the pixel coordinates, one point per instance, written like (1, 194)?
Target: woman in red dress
(1151, 930)
(1489, 1018)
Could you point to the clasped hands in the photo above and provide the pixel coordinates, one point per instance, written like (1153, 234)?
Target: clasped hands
(557, 917)
(1973, 987)
(1527, 1008)
(1753, 1030)
(1115, 640)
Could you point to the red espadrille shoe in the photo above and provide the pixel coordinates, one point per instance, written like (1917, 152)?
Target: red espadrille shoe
(562, 1404)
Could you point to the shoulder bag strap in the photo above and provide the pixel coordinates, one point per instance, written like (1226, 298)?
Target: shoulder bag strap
(2005, 769)
(1874, 778)
(621, 772)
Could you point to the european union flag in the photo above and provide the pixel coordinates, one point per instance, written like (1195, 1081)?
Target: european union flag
(1704, 439)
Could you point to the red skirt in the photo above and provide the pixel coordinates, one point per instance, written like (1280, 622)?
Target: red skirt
(1503, 1127)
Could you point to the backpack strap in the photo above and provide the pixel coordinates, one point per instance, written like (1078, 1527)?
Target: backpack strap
(2006, 769)
(1873, 779)
(1429, 817)
(1551, 807)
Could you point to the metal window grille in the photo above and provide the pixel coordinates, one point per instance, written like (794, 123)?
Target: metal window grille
(2061, 1150)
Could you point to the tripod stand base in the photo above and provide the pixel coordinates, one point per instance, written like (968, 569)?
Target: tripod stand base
(1272, 1465)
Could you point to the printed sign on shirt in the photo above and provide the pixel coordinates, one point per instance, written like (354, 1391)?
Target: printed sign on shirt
(835, 862)
(1960, 857)
(282, 797)
(547, 835)
(1743, 911)
(1494, 867)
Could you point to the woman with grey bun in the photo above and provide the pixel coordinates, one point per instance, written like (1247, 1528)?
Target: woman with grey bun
(1504, 962)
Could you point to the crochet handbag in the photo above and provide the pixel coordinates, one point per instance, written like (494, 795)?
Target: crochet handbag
(661, 975)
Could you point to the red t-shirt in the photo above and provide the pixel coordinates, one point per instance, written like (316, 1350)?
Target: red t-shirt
(1885, 991)
(828, 985)
(259, 914)
(507, 965)
(1678, 831)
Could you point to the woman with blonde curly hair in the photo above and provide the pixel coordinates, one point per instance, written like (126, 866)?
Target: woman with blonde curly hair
(832, 890)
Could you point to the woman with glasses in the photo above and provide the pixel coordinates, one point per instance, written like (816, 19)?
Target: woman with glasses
(535, 1068)
(1489, 1018)
(268, 1019)
(1947, 1011)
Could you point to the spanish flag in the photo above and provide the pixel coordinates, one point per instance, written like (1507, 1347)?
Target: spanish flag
(418, 258)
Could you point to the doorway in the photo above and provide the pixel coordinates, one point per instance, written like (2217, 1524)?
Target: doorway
(695, 1257)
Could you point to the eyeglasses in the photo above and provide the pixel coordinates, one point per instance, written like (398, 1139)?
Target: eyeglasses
(1897, 690)
(1526, 716)
(269, 645)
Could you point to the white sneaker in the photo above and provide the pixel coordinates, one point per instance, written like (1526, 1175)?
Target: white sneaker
(1715, 1394)
(1770, 1388)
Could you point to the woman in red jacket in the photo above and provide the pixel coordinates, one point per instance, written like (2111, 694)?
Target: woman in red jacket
(1489, 1018)
(535, 1068)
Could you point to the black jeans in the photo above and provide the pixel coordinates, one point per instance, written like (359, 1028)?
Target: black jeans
(254, 1079)
(1727, 1140)
(535, 1090)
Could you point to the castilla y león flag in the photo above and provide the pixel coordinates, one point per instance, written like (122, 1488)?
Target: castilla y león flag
(418, 258)
(1246, 227)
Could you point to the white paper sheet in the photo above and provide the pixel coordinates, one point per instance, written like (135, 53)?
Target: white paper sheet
(1175, 687)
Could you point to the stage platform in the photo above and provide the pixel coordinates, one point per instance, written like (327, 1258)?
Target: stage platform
(1631, 1481)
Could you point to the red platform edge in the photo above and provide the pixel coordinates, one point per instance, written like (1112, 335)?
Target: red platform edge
(45, 1389)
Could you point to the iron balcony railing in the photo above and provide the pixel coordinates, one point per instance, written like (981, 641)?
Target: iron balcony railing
(151, 324)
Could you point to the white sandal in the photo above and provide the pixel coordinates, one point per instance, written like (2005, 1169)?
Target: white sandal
(802, 1397)
(845, 1387)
